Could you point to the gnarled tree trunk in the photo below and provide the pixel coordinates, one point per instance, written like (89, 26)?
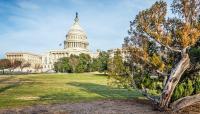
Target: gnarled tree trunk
(173, 80)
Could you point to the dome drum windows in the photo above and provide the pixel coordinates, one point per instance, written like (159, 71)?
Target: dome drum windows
(76, 37)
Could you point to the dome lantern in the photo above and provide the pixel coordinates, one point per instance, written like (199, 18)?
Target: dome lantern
(76, 18)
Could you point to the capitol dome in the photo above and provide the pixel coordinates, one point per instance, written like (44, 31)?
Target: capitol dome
(76, 37)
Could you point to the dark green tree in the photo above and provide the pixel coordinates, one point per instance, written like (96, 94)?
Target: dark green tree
(73, 61)
(103, 61)
(84, 63)
(62, 65)
(118, 73)
(95, 64)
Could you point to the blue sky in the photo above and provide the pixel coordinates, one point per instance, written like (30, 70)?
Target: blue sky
(38, 26)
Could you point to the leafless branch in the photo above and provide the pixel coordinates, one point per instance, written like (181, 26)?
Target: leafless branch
(162, 73)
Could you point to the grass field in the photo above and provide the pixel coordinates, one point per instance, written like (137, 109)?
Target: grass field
(25, 90)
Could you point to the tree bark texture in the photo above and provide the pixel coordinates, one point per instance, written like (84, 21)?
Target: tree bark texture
(173, 80)
(185, 101)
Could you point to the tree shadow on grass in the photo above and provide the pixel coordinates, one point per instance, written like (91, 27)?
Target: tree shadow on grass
(10, 84)
(13, 85)
(61, 97)
(99, 74)
(90, 91)
(6, 79)
(106, 91)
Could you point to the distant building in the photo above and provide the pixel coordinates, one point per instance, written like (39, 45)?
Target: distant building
(124, 52)
(76, 39)
(33, 59)
(76, 43)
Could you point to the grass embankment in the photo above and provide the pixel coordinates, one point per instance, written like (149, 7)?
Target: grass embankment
(23, 90)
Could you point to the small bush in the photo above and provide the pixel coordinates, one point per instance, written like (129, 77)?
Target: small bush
(183, 89)
(197, 86)
(178, 93)
(188, 88)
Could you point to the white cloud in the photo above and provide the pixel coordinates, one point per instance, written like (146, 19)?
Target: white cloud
(28, 5)
(39, 27)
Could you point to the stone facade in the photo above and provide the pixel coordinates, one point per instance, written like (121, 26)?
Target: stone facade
(123, 51)
(33, 59)
(51, 57)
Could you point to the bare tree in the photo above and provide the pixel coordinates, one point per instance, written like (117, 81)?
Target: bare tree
(37, 67)
(15, 64)
(24, 65)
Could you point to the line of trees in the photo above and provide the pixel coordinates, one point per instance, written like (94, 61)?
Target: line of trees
(6, 64)
(82, 63)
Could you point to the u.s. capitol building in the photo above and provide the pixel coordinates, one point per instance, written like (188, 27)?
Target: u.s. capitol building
(76, 43)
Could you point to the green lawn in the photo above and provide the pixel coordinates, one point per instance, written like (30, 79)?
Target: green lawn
(23, 90)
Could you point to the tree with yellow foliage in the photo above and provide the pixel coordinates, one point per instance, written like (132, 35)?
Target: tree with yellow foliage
(160, 45)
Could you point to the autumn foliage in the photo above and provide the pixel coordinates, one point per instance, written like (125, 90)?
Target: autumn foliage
(160, 46)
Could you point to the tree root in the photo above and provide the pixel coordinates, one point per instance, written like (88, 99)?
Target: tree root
(184, 102)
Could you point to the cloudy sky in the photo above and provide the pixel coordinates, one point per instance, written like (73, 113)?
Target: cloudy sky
(38, 26)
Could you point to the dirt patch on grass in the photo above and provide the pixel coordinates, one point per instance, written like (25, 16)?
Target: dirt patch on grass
(95, 107)
(28, 98)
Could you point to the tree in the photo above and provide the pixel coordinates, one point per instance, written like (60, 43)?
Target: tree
(38, 66)
(24, 65)
(169, 56)
(56, 66)
(73, 61)
(95, 64)
(103, 61)
(84, 63)
(118, 72)
(4, 64)
(15, 64)
(62, 65)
